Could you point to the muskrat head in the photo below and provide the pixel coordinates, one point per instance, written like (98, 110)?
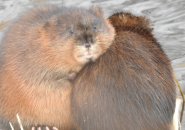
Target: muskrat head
(85, 32)
(92, 35)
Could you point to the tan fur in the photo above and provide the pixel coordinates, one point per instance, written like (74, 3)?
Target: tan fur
(37, 64)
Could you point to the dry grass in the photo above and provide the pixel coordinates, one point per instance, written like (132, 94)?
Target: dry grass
(33, 128)
(19, 121)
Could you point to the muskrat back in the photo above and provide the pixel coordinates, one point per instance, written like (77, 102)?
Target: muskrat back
(131, 87)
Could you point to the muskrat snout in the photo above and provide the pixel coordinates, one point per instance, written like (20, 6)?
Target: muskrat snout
(87, 45)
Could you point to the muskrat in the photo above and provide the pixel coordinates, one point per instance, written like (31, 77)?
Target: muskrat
(131, 86)
(41, 53)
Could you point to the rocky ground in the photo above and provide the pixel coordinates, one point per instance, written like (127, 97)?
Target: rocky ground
(167, 17)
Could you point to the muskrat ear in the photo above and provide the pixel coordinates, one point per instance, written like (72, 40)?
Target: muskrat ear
(96, 10)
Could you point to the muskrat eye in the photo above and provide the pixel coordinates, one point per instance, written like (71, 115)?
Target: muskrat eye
(71, 30)
(95, 28)
(96, 25)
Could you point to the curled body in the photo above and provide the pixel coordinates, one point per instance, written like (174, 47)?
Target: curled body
(131, 86)
(41, 53)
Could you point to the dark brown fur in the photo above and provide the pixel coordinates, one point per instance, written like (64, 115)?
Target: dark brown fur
(40, 53)
(131, 87)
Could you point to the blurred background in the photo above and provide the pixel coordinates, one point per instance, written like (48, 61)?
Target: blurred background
(167, 18)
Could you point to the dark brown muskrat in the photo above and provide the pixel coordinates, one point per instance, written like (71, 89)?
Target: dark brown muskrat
(131, 87)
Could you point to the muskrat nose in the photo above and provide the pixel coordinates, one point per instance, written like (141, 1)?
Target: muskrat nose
(87, 45)
(88, 40)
